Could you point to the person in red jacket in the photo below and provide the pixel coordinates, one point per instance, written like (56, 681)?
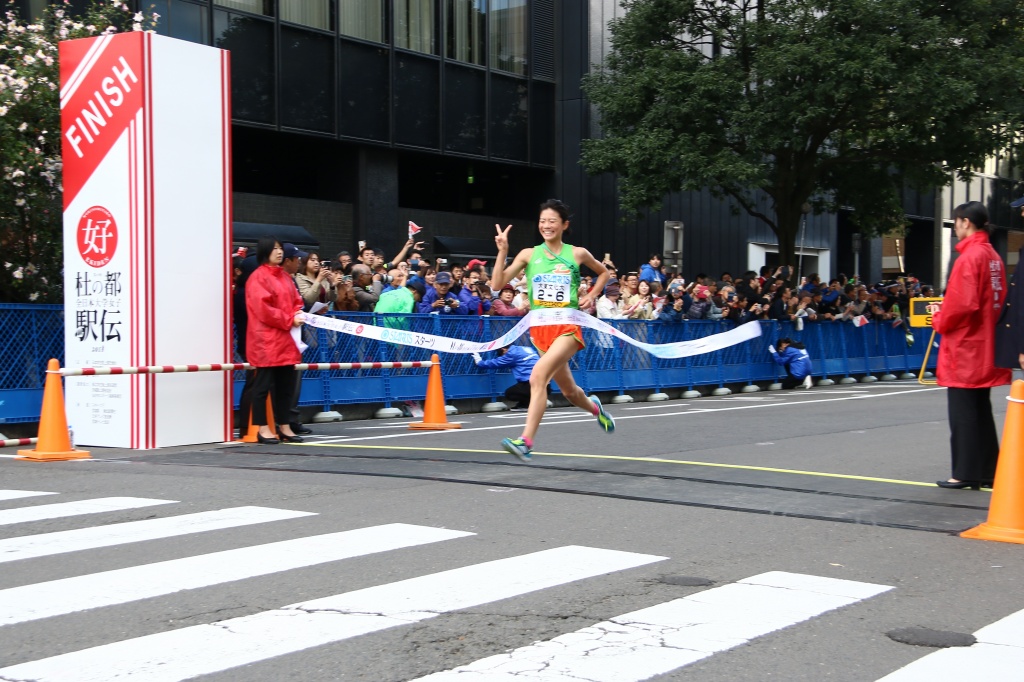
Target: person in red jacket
(274, 307)
(967, 367)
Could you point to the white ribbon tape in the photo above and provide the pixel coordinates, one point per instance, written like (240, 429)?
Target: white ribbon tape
(444, 344)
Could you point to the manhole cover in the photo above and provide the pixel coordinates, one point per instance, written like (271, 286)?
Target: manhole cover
(933, 638)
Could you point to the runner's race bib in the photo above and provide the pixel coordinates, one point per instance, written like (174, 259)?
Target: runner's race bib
(551, 290)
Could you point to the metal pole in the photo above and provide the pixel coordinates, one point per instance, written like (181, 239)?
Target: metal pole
(805, 209)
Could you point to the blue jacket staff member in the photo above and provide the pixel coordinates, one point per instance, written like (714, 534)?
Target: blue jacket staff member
(797, 363)
(521, 359)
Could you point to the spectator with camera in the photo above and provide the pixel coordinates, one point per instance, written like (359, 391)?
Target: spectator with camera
(475, 296)
(458, 274)
(315, 281)
(346, 299)
(393, 279)
(676, 303)
(439, 299)
(701, 306)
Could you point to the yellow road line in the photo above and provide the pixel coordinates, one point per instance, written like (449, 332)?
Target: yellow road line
(656, 460)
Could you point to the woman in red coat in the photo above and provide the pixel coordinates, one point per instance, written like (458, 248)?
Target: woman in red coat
(274, 307)
(967, 322)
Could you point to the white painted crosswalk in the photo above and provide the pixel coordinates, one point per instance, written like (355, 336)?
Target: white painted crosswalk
(205, 649)
(639, 645)
(19, 494)
(57, 597)
(64, 509)
(634, 646)
(33, 546)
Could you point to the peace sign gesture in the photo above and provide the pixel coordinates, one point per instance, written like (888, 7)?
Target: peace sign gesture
(501, 238)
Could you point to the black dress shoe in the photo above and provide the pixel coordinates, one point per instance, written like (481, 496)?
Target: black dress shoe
(959, 485)
(266, 441)
(290, 439)
(300, 429)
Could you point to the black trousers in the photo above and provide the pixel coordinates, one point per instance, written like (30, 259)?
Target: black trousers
(245, 401)
(790, 381)
(973, 440)
(519, 393)
(293, 411)
(279, 382)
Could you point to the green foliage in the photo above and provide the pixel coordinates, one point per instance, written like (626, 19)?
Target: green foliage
(31, 230)
(827, 102)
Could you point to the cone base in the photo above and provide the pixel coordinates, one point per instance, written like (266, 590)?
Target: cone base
(433, 426)
(987, 531)
(37, 456)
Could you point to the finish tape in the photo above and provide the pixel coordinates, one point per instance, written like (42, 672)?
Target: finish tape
(535, 318)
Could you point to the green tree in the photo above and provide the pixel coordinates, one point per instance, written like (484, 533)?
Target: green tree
(828, 102)
(31, 209)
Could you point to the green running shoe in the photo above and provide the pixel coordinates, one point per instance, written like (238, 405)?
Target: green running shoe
(518, 447)
(603, 418)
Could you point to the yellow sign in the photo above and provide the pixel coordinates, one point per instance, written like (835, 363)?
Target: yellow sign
(922, 309)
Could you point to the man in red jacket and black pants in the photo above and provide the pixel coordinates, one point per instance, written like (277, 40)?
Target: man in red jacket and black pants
(967, 367)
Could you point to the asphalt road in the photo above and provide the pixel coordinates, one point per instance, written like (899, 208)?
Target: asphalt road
(778, 535)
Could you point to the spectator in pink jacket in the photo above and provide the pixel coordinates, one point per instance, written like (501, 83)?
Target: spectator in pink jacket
(503, 304)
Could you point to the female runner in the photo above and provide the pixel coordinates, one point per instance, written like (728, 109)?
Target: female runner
(553, 280)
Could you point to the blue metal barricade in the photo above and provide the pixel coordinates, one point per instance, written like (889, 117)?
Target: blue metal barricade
(35, 333)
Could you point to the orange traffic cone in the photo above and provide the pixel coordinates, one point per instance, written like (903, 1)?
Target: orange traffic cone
(434, 417)
(1006, 510)
(54, 443)
(250, 436)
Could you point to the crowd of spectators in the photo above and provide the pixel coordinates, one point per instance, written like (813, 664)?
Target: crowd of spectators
(650, 292)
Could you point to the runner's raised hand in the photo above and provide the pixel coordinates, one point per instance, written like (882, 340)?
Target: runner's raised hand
(501, 238)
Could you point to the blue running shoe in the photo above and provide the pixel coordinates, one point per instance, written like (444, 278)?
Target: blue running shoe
(518, 447)
(603, 418)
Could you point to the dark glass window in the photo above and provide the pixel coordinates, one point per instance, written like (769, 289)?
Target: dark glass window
(362, 19)
(182, 20)
(416, 25)
(307, 80)
(508, 35)
(264, 7)
(465, 115)
(251, 42)
(465, 30)
(416, 101)
(542, 123)
(508, 118)
(363, 94)
(312, 13)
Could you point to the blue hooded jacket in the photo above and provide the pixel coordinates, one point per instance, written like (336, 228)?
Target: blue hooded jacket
(520, 358)
(649, 274)
(796, 360)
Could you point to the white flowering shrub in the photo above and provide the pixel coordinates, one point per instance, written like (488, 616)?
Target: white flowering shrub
(31, 242)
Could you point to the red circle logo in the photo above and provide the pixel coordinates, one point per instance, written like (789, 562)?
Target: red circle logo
(359, 329)
(96, 236)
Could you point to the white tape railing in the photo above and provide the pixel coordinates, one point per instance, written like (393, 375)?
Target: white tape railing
(230, 367)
